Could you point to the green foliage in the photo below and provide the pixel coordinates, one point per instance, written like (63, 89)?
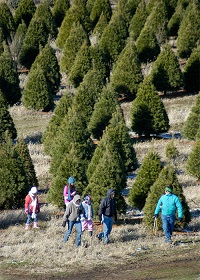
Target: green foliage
(103, 110)
(22, 148)
(9, 80)
(166, 74)
(6, 122)
(191, 125)
(24, 12)
(13, 181)
(127, 74)
(71, 165)
(7, 23)
(191, 71)
(72, 45)
(77, 13)
(55, 121)
(37, 94)
(189, 31)
(148, 114)
(59, 10)
(47, 61)
(171, 151)
(99, 27)
(17, 41)
(127, 8)
(147, 175)
(193, 162)
(138, 20)
(100, 7)
(166, 177)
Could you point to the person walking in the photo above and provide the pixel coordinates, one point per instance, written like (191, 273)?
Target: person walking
(107, 210)
(32, 208)
(168, 204)
(69, 191)
(88, 215)
(73, 217)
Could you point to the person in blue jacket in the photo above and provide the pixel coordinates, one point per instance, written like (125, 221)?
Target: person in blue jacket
(168, 204)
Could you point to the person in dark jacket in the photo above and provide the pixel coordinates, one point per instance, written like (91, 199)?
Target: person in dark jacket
(107, 210)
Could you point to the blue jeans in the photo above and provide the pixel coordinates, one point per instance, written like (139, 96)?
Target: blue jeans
(68, 232)
(29, 218)
(168, 226)
(107, 227)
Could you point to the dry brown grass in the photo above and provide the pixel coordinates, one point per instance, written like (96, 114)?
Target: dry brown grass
(42, 251)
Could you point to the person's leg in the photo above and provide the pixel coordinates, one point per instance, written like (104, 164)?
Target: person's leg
(35, 224)
(166, 228)
(68, 232)
(90, 226)
(106, 225)
(79, 232)
(28, 221)
(110, 225)
(171, 222)
(84, 225)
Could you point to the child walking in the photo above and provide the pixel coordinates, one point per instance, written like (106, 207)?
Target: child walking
(87, 215)
(32, 208)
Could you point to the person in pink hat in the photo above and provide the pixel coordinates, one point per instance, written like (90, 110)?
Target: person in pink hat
(32, 208)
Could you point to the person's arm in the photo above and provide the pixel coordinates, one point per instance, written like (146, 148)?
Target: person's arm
(179, 207)
(158, 207)
(27, 201)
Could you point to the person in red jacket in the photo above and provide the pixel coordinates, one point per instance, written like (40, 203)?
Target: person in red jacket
(32, 208)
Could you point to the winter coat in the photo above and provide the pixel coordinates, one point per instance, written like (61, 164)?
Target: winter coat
(168, 204)
(86, 210)
(69, 196)
(107, 206)
(29, 204)
(73, 211)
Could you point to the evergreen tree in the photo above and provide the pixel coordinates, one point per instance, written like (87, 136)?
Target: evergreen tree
(59, 10)
(76, 13)
(127, 74)
(189, 31)
(100, 7)
(55, 121)
(17, 41)
(127, 8)
(71, 165)
(193, 162)
(81, 65)
(24, 12)
(147, 175)
(103, 110)
(37, 94)
(7, 23)
(198, 135)
(47, 61)
(23, 151)
(1, 41)
(6, 122)
(138, 20)
(9, 80)
(166, 177)
(166, 74)
(148, 114)
(13, 181)
(171, 151)
(191, 125)
(71, 47)
(191, 71)
(99, 28)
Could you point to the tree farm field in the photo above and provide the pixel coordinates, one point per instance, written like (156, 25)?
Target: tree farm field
(134, 252)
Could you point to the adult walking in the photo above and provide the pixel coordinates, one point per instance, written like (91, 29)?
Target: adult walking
(168, 204)
(69, 191)
(107, 210)
(73, 214)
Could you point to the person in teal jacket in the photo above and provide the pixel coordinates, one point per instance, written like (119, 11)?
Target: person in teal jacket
(168, 204)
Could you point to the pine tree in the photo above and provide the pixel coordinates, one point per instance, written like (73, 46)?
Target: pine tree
(72, 45)
(191, 125)
(189, 31)
(37, 94)
(100, 7)
(99, 28)
(7, 23)
(59, 10)
(59, 113)
(23, 151)
(166, 74)
(6, 122)
(13, 181)
(166, 177)
(127, 8)
(9, 80)
(103, 110)
(171, 151)
(71, 165)
(17, 42)
(147, 175)
(193, 162)
(24, 12)
(198, 135)
(191, 71)
(127, 74)
(148, 114)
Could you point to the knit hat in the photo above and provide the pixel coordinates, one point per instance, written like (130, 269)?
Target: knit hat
(71, 180)
(33, 190)
(87, 198)
(169, 189)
